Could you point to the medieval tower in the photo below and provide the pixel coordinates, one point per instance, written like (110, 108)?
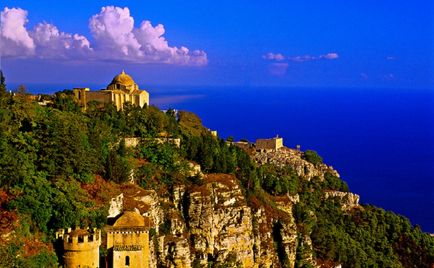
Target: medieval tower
(80, 247)
(128, 241)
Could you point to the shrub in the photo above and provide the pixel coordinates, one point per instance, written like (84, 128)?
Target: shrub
(313, 157)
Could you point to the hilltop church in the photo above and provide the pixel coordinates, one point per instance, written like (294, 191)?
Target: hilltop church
(122, 89)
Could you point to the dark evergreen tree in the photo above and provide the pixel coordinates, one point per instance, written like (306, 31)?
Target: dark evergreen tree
(2, 86)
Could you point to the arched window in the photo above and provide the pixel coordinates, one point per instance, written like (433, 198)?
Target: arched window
(127, 261)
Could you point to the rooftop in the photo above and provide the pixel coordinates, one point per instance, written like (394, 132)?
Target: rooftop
(123, 79)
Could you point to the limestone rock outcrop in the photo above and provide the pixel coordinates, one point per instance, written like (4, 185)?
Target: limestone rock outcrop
(293, 158)
(213, 223)
(220, 222)
(116, 206)
(346, 199)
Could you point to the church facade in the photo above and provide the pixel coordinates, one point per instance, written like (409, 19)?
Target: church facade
(122, 89)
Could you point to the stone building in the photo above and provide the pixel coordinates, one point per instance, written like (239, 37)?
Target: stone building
(127, 244)
(131, 142)
(80, 247)
(244, 145)
(269, 144)
(122, 89)
(128, 241)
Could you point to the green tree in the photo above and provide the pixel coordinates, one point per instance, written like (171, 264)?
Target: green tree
(64, 101)
(2, 85)
(64, 148)
(118, 168)
(313, 157)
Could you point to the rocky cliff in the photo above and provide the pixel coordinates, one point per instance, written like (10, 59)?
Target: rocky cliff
(214, 223)
(293, 158)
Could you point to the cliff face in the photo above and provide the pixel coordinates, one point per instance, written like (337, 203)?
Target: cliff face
(294, 158)
(220, 222)
(213, 223)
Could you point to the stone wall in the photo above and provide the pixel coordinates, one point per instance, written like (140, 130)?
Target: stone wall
(134, 141)
(131, 142)
(117, 97)
(244, 145)
(269, 144)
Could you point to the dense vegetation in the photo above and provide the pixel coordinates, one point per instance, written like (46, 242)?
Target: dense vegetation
(362, 237)
(48, 152)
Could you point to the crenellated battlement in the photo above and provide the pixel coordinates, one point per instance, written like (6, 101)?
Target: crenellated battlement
(79, 239)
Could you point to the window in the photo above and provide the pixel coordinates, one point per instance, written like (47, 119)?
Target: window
(127, 261)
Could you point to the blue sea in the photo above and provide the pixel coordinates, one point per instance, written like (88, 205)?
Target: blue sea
(381, 141)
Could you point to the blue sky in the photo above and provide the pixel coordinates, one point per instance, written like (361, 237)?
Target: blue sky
(319, 43)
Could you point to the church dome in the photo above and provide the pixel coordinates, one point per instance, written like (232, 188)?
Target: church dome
(123, 79)
(130, 219)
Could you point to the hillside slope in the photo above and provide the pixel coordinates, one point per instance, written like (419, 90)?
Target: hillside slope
(212, 203)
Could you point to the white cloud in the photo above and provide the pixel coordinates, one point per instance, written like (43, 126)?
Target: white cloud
(14, 38)
(112, 30)
(329, 56)
(51, 43)
(114, 34)
(302, 58)
(273, 56)
(280, 57)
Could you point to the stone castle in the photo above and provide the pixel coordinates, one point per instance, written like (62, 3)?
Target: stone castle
(263, 145)
(122, 89)
(269, 144)
(127, 243)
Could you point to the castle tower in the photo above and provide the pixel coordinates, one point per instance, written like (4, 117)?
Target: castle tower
(128, 241)
(80, 247)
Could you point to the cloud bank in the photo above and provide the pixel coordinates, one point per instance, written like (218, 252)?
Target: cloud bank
(15, 40)
(280, 57)
(115, 39)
